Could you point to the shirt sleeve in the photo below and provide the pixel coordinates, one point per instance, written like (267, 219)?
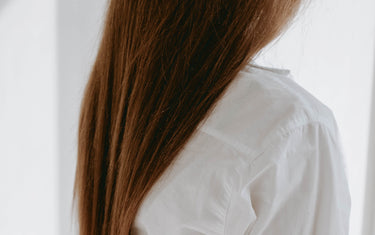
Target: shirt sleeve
(298, 185)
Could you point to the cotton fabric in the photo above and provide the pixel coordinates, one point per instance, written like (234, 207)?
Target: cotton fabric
(267, 160)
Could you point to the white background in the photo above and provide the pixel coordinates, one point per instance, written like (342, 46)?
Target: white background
(48, 46)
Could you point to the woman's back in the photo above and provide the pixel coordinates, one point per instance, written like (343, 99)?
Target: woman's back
(265, 155)
(267, 160)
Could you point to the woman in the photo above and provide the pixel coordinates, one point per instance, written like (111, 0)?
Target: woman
(181, 134)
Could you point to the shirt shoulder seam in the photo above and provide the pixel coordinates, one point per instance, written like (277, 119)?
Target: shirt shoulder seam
(284, 134)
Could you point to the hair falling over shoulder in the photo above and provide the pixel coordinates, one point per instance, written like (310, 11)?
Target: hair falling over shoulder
(160, 68)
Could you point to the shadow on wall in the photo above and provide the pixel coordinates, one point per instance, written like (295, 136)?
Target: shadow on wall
(368, 227)
(3, 3)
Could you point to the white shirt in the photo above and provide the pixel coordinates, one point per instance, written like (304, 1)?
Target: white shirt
(268, 160)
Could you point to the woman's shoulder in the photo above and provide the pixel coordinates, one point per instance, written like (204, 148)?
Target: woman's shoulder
(260, 105)
(279, 86)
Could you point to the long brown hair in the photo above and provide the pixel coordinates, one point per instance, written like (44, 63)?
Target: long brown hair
(160, 68)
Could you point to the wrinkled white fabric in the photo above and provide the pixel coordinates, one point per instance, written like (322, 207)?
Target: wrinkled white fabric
(267, 160)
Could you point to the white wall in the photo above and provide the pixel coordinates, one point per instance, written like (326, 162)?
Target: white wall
(28, 126)
(330, 51)
(46, 50)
